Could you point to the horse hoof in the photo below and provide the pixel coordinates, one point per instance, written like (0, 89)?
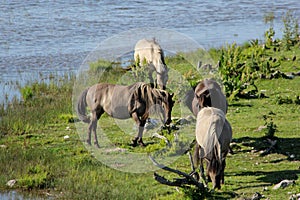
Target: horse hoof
(134, 142)
(97, 145)
(142, 144)
(89, 142)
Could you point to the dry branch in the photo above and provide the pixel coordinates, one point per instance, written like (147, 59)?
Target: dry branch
(272, 146)
(180, 182)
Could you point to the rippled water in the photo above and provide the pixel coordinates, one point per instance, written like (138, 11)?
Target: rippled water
(42, 37)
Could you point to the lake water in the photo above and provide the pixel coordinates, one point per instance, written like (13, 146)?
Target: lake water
(41, 37)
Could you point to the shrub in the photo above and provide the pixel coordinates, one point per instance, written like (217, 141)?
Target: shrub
(271, 127)
(290, 31)
(27, 93)
(235, 74)
(100, 65)
(36, 177)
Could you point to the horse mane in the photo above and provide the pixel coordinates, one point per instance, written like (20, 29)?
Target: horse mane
(150, 96)
(144, 91)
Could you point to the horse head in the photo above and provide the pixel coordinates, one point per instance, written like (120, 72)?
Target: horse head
(208, 93)
(165, 100)
(202, 93)
(168, 104)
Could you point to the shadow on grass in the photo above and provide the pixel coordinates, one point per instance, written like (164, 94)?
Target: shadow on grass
(272, 177)
(285, 146)
(195, 194)
(240, 104)
(266, 179)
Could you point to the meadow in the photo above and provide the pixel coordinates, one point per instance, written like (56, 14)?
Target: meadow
(261, 82)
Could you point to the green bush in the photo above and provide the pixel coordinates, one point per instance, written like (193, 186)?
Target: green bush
(291, 30)
(100, 65)
(68, 118)
(271, 126)
(235, 74)
(36, 177)
(27, 93)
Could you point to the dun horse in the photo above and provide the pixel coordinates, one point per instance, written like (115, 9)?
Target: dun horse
(151, 52)
(123, 102)
(208, 93)
(213, 135)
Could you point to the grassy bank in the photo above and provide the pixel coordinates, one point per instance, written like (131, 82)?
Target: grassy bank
(35, 152)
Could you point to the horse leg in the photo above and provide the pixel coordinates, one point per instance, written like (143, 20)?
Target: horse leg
(150, 72)
(201, 168)
(140, 133)
(139, 138)
(222, 171)
(140, 124)
(90, 132)
(92, 127)
(202, 174)
(96, 116)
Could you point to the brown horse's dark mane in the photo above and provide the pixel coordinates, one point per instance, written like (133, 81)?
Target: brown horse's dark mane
(150, 96)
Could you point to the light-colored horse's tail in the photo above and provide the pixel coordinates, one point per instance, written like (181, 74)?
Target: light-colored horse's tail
(216, 129)
(81, 107)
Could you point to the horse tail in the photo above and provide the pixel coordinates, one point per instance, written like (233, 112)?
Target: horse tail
(218, 153)
(216, 128)
(81, 107)
(219, 129)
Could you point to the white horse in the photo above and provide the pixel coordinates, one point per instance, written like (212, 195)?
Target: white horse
(150, 53)
(213, 135)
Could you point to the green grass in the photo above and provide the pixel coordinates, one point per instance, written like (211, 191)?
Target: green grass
(34, 152)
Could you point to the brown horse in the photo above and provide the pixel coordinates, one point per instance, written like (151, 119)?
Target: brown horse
(207, 93)
(122, 102)
(151, 52)
(213, 135)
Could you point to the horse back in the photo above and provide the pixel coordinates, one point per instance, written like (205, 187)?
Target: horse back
(149, 50)
(112, 99)
(212, 129)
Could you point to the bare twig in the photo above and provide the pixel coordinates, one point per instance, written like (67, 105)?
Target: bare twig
(267, 151)
(161, 137)
(188, 179)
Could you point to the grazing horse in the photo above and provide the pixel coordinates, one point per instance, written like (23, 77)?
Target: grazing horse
(213, 135)
(207, 93)
(122, 102)
(151, 52)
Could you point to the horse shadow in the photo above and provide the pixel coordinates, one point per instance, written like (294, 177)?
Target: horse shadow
(195, 194)
(288, 147)
(271, 177)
